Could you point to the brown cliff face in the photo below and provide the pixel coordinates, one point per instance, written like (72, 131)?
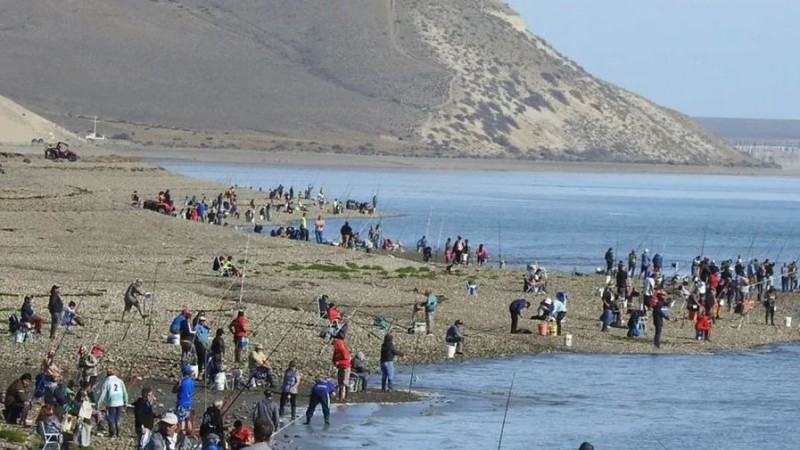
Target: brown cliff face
(425, 77)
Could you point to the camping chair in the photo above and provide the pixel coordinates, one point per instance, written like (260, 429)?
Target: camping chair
(50, 441)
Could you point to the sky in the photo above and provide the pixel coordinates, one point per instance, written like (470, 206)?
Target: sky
(719, 58)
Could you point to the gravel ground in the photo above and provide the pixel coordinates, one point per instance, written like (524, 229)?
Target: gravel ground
(71, 224)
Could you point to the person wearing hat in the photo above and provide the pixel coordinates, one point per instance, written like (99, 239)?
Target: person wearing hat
(201, 343)
(358, 366)
(212, 423)
(266, 412)
(429, 304)
(114, 396)
(260, 368)
(166, 434)
(184, 389)
(56, 307)
(456, 336)
(131, 299)
(515, 309)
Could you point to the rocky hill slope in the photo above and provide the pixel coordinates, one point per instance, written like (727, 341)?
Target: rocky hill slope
(424, 77)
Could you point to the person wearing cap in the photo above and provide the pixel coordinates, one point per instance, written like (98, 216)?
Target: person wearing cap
(213, 442)
(16, 399)
(201, 343)
(131, 299)
(212, 422)
(260, 368)
(143, 415)
(289, 387)
(358, 366)
(515, 309)
(114, 396)
(266, 412)
(429, 304)
(56, 307)
(557, 313)
(456, 336)
(320, 395)
(166, 435)
(184, 389)
(238, 328)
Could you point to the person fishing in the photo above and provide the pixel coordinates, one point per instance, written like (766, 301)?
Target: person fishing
(456, 336)
(56, 307)
(238, 328)
(658, 322)
(609, 258)
(770, 300)
(430, 308)
(631, 263)
(131, 299)
(341, 359)
(645, 263)
(515, 310)
(388, 352)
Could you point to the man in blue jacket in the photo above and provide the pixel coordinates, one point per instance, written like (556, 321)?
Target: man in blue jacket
(320, 394)
(515, 309)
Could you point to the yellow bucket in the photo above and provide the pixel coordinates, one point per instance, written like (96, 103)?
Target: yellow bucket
(552, 328)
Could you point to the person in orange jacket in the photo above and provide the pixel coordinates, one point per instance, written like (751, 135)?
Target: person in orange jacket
(703, 327)
(341, 359)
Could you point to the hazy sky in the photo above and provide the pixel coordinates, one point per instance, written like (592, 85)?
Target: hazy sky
(726, 58)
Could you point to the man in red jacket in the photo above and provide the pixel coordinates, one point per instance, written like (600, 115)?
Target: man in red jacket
(341, 359)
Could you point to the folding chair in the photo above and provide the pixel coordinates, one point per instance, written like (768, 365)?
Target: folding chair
(50, 441)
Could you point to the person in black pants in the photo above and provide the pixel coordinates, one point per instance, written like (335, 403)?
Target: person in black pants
(769, 306)
(658, 322)
(515, 309)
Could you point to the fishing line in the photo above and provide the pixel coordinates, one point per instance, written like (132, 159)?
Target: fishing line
(505, 414)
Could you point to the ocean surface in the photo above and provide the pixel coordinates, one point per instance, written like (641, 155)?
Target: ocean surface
(726, 401)
(565, 221)
(730, 400)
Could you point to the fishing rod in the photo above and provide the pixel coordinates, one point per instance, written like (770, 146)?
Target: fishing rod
(244, 271)
(414, 362)
(439, 239)
(78, 303)
(152, 302)
(505, 414)
(499, 243)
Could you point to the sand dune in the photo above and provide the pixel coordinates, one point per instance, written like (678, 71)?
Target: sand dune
(18, 126)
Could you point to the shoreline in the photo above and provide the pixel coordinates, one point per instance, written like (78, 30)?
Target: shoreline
(58, 213)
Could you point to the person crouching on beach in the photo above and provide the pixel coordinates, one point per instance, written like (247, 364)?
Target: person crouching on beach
(456, 336)
(320, 395)
(515, 309)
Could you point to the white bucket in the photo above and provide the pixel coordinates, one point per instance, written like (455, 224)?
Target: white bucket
(148, 296)
(219, 381)
(451, 350)
(787, 321)
(568, 340)
(174, 339)
(472, 289)
(19, 337)
(245, 342)
(195, 370)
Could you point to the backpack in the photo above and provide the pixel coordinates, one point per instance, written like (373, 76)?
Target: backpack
(381, 323)
(13, 323)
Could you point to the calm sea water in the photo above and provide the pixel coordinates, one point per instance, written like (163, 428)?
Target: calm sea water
(563, 220)
(731, 400)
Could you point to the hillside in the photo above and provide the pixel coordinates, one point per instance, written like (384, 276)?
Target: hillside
(752, 130)
(434, 77)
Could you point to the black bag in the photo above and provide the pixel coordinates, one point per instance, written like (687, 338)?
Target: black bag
(13, 323)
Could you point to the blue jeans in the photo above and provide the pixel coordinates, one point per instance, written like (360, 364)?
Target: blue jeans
(387, 375)
(318, 236)
(113, 414)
